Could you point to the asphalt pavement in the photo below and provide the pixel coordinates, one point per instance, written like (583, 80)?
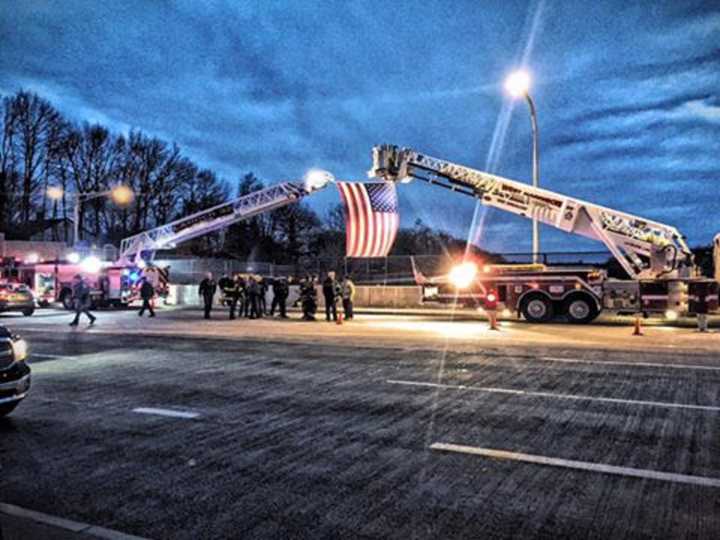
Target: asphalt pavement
(384, 427)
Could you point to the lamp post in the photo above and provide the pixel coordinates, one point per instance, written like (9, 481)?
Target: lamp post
(518, 85)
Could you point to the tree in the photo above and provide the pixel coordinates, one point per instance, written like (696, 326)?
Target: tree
(31, 128)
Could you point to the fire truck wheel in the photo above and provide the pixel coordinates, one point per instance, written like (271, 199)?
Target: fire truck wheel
(580, 309)
(28, 312)
(537, 308)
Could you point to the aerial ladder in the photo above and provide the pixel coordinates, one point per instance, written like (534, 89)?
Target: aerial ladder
(654, 255)
(645, 249)
(142, 246)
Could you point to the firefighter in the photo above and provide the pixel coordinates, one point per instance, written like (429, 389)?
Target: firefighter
(81, 300)
(263, 287)
(348, 297)
(308, 298)
(281, 290)
(227, 286)
(253, 293)
(207, 292)
(147, 292)
(331, 293)
(237, 295)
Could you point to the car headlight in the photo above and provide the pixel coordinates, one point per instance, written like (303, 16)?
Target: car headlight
(20, 349)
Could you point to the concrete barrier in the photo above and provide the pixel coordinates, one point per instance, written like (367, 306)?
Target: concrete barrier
(365, 296)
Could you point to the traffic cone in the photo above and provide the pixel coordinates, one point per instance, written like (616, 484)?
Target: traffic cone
(493, 320)
(339, 320)
(638, 327)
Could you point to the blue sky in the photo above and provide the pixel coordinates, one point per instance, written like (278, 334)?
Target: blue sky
(628, 93)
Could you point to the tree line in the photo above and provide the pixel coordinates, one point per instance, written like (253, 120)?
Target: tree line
(41, 148)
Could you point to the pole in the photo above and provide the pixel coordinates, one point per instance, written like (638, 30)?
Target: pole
(535, 175)
(76, 219)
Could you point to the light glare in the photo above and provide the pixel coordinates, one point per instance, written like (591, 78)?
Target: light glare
(91, 265)
(463, 274)
(518, 84)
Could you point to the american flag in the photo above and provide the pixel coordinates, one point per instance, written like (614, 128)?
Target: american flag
(371, 218)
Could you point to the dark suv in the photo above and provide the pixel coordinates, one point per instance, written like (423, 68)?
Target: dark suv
(14, 372)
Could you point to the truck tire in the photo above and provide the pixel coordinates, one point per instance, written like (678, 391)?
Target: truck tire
(28, 312)
(537, 308)
(580, 308)
(66, 299)
(8, 408)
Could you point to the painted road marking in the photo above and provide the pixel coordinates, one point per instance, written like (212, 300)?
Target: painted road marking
(165, 412)
(629, 364)
(43, 355)
(581, 465)
(556, 396)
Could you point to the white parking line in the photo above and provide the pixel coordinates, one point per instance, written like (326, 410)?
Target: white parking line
(581, 465)
(44, 355)
(629, 364)
(165, 412)
(557, 396)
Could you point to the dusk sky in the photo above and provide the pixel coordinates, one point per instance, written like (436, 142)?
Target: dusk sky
(628, 93)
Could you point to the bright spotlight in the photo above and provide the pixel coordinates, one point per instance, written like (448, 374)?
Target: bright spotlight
(463, 275)
(54, 193)
(141, 264)
(91, 265)
(32, 258)
(317, 179)
(671, 315)
(518, 84)
(122, 195)
(73, 258)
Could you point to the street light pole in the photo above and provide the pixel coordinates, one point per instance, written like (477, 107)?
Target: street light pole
(535, 174)
(518, 84)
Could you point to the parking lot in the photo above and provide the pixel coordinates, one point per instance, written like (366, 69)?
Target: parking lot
(386, 427)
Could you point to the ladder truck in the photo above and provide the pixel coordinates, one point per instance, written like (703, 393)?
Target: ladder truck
(116, 283)
(662, 276)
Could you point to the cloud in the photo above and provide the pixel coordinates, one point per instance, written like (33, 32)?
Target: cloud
(627, 97)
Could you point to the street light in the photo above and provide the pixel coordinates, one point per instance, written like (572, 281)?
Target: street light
(121, 194)
(54, 193)
(518, 85)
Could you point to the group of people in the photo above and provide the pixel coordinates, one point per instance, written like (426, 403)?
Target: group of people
(334, 291)
(246, 296)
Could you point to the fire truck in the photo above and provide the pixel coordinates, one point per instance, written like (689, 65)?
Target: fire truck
(662, 276)
(116, 283)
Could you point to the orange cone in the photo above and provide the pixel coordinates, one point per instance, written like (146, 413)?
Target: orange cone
(339, 319)
(638, 327)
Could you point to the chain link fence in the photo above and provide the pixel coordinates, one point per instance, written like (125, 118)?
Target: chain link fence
(393, 270)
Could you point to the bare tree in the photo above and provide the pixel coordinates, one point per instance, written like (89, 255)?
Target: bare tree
(35, 128)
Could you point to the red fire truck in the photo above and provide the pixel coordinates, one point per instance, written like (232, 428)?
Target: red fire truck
(662, 276)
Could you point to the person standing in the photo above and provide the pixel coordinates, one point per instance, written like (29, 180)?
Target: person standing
(263, 287)
(348, 297)
(281, 291)
(308, 298)
(330, 293)
(147, 292)
(233, 292)
(253, 291)
(81, 300)
(226, 285)
(207, 293)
